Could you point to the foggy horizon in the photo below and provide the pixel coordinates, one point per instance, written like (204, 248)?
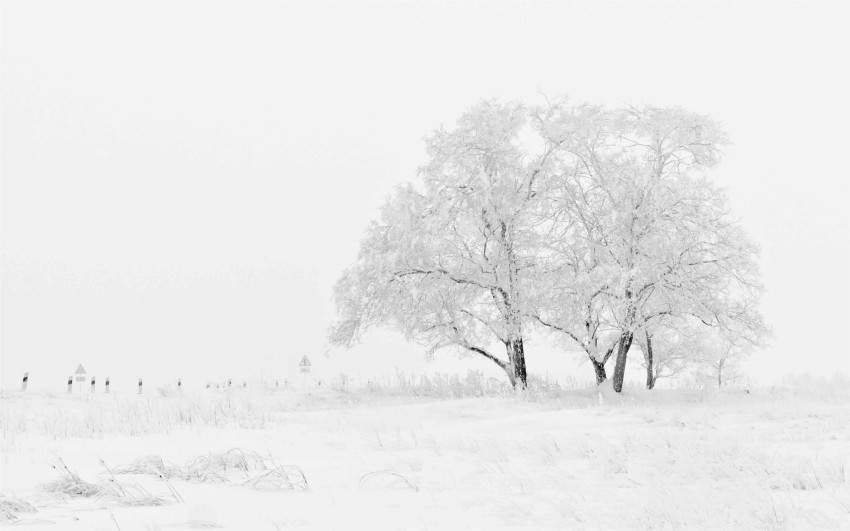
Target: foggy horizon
(182, 184)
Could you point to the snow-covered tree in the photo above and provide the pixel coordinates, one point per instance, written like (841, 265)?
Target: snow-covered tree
(722, 363)
(597, 224)
(641, 233)
(448, 263)
(572, 273)
(721, 350)
(569, 287)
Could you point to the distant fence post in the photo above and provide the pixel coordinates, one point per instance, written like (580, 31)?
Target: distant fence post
(179, 383)
(107, 385)
(140, 386)
(70, 384)
(24, 383)
(92, 384)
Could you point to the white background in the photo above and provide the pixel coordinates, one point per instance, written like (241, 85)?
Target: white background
(182, 183)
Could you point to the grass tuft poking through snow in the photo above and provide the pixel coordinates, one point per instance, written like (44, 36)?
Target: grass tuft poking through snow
(387, 479)
(259, 472)
(70, 484)
(10, 506)
(284, 477)
(150, 464)
(107, 492)
(218, 465)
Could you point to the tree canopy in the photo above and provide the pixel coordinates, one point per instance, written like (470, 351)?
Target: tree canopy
(598, 224)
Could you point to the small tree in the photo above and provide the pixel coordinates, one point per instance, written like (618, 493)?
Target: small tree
(670, 347)
(674, 346)
(722, 350)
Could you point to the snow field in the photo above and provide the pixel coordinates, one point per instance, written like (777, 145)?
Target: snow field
(389, 460)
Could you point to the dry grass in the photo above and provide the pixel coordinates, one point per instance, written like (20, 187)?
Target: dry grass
(259, 472)
(10, 506)
(151, 465)
(132, 496)
(215, 467)
(279, 478)
(70, 484)
(97, 416)
(387, 479)
(107, 492)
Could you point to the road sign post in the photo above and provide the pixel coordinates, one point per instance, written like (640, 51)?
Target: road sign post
(304, 367)
(80, 376)
(24, 383)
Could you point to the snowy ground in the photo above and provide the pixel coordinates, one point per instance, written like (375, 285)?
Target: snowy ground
(770, 459)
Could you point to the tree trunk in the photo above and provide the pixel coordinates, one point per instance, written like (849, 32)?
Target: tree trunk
(599, 366)
(720, 373)
(599, 369)
(650, 368)
(650, 379)
(620, 366)
(516, 354)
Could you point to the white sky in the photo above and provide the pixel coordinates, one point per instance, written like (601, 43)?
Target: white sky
(182, 183)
